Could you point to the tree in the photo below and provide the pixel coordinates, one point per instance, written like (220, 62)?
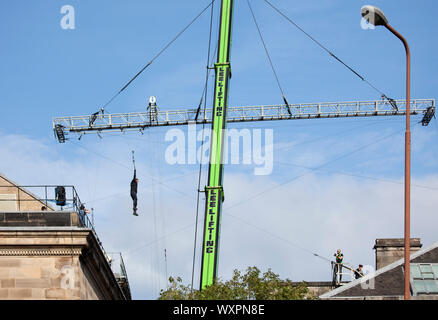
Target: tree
(253, 285)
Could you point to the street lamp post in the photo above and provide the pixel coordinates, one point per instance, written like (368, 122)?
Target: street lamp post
(376, 17)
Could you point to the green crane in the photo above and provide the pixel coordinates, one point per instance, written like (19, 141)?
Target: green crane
(214, 192)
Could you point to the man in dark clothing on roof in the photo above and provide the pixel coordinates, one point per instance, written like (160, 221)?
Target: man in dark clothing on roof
(359, 272)
(134, 184)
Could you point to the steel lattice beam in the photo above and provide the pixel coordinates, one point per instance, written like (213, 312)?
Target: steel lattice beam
(62, 126)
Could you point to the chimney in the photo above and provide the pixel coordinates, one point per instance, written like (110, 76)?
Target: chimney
(391, 250)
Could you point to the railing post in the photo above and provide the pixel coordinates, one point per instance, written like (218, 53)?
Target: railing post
(18, 199)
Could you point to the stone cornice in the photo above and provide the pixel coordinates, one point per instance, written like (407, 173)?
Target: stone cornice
(40, 251)
(44, 238)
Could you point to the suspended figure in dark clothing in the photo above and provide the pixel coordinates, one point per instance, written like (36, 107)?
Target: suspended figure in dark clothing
(134, 184)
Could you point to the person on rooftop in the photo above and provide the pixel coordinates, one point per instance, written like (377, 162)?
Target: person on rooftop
(359, 272)
(338, 266)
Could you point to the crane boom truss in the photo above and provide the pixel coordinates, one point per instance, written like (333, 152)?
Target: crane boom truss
(142, 120)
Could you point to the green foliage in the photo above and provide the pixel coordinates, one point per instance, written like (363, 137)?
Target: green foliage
(253, 285)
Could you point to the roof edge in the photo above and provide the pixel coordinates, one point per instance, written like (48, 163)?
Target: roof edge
(369, 276)
(2, 175)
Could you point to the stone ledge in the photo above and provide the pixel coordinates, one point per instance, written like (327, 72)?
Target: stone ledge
(31, 236)
(40, 252)
(400, 242)
(40, 219)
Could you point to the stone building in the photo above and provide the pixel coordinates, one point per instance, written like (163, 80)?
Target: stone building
(51, 252)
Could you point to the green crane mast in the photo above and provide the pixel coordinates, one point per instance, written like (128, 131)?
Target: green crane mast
(214, 193)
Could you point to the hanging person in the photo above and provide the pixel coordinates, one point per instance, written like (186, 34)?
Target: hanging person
(134, 185)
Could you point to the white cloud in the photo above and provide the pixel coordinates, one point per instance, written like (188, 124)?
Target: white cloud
(318, 212)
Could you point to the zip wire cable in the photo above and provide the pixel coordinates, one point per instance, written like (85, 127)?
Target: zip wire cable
(269, 57)
(391, 101)
(311, 170)
(343, 132)
(204, 92)
(126, 167)
(134, 251)
(278, 237)
(355, 175)
(129, 252)
(142, 189)
(288, 147)
(157, 55)
(204, 96)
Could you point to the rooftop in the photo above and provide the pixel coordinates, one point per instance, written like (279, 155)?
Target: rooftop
(52, 208)
(387, 282)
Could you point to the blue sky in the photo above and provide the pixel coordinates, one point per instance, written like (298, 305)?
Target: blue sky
(48, 72)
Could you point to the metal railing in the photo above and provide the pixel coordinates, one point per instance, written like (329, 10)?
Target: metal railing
(28, 199)
(342, 269)
(34, 198)
(43, 195)
(62, 126)
(42, 198)
(117, 264)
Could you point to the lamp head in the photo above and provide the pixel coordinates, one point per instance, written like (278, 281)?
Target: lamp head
(374, 15)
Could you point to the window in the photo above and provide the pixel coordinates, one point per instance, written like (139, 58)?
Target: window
(424, 278)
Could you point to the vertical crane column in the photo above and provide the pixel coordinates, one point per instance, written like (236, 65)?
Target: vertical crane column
(214, 193)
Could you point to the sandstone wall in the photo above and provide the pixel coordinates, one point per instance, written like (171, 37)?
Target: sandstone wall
(54, 265)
